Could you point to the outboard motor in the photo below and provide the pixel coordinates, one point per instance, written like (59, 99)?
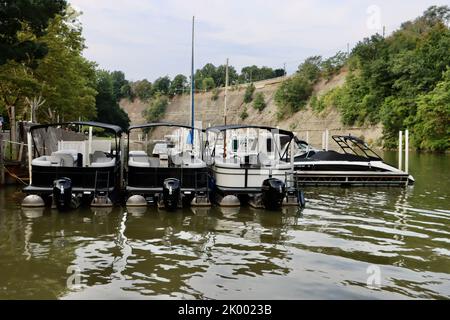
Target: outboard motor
(62, 193)
(171, 193)
(273, 192)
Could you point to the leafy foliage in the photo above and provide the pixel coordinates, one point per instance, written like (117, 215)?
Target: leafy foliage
(259, 102)
(179, 85)
(35, 15)
(142, 89)
(432, 129)
(244, 114)
(248, 95)
(399, 82)
(208, 84)
(157, 108)
(108, 109)
(215, 94)
(292, 95)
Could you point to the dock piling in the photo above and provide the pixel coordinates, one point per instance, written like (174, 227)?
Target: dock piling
(400, 151)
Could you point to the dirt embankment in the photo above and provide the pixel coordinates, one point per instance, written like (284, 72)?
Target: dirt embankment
(305, 123)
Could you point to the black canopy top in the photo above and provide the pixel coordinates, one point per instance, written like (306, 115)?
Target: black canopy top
(111, 127)
(243, 126)
(162, 124)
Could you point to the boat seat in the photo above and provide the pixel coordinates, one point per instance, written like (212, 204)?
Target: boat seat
(176, 159)
(193, 163)
(65, 159)
(264, 160)
(72, 152)
(96, 155)
(103, 162)
(142, 160)
(46, 161)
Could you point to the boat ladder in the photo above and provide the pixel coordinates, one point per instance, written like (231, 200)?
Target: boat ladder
(101, 183)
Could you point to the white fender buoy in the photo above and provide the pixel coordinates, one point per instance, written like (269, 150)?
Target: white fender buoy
(33, 201)
(230, 201)
(136, 201)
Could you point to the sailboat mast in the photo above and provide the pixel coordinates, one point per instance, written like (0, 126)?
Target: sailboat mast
(192, 84)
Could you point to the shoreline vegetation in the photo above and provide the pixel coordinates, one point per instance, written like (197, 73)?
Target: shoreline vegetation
(401, 81)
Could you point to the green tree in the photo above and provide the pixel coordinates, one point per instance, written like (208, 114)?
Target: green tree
(259, 102)
(208, 84)
(119, 82)
(432, 129)
(248, 95)
(143, 89)
(162, 85)
(332, 65)
(156, 108)
(310, 68)
(14, 15)
(221, 75)
(108, 109)
(67, 79)
(292, 95)
(178, 85)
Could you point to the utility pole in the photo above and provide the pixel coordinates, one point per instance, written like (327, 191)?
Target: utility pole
(225, 110)
(192, 85)
(284, 68)
(226, 93)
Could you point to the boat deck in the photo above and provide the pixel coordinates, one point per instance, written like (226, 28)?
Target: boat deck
(351, 178)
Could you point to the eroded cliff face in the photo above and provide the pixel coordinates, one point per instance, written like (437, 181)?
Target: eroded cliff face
(305, 123)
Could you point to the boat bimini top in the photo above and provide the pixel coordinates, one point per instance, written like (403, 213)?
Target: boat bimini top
(76, 153)
(177, 154)
(271, 143)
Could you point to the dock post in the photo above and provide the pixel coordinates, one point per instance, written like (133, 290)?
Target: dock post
(89, 146)
(307, 137)
(2, 164)
(326, 139)
(323, 140)
(406, 150)
(30, 156)
(400, 151)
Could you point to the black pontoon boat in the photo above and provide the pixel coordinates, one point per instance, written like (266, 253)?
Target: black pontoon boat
(70, 166)
(168, 169)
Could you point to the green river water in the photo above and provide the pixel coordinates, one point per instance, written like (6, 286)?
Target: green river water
(348, 243)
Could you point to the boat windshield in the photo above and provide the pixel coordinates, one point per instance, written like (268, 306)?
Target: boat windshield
(353, 145)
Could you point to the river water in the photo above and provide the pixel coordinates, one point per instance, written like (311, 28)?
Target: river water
(348, 243)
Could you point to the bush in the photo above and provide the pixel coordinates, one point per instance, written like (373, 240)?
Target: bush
(157, 108)
(248, 96)
(292, 95)
(259, 102)
(333, 64)
(244, 114)
(208, 84)
(215, 94)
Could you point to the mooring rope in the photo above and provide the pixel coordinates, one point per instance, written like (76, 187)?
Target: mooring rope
(15, 176)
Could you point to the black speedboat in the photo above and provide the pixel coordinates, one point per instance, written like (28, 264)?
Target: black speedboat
(356, 160)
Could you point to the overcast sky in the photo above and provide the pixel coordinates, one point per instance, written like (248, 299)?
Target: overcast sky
(152, 38)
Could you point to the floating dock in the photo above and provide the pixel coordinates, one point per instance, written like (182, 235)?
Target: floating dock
(351, 178)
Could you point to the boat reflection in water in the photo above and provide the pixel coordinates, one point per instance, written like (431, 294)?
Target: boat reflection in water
(324, 251)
